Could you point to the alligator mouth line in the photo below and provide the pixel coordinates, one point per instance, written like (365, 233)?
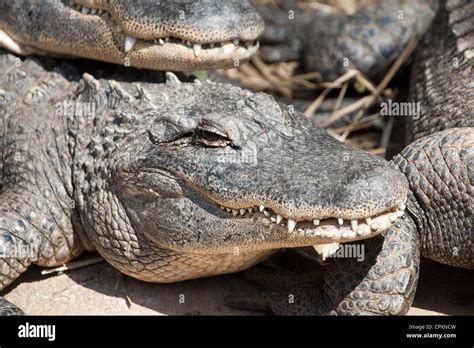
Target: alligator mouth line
(328, 229)
(332, 227)
(197, 48)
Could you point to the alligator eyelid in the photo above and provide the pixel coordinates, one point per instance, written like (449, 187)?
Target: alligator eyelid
(212, 129)
(178, 137)
(210, 135)
(199, 139)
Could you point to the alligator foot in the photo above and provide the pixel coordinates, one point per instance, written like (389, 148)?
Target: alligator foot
(8, 308)
(382, 282)
(33, 229)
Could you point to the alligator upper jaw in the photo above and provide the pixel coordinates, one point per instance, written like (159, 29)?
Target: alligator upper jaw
(170, 53)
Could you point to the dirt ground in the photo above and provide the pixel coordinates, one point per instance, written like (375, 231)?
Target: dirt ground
(100, 289)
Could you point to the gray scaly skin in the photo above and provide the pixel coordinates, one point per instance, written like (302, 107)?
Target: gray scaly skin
(171, 181)
(443, 78)
(439, 166)
(173, 35)
(443, 186)
(332, 41)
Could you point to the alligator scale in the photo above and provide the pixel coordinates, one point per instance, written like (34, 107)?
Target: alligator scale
(168, 180)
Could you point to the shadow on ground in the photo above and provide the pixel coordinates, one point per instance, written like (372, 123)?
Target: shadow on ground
(100, 289)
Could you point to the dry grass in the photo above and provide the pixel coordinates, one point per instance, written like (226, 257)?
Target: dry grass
(282, 79)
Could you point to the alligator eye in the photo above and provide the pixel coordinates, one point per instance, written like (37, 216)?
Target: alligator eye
(211, 136)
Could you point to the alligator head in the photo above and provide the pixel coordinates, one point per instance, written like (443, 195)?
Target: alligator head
(163, 35)
(207, 169)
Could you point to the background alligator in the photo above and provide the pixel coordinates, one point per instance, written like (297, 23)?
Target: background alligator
(439, 167)
(172, 181)
(369, 40)
(165, 35)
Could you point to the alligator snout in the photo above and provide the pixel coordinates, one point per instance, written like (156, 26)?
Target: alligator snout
(160, 35)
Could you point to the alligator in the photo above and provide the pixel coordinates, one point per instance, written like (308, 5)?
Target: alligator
(166, 35)
(171, 181)
(368, 40)
(88, 184)
(438, 224)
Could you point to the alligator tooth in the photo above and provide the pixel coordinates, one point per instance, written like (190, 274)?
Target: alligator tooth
(235, 212)
(261, 208)
(228, 210)
(291, 225)
(266, 213)
(329, 234)
(374, 226)
(248, 44)
(85, 10)
(228, 48)
(189, 43)
(393, 217)
(100, 11)
(402, 206)
(368, 220)
(129, 42)
(197, 49)
(279, 218)
(236, 42)
(345, 234)
(93, 11)
(400, 213)
(161, 41)
(340, 221)
(354, 225)
(273, 219)
(326, 250)
(212, 45)
(222, 207)
(167, 39)
(316, 222)
(242, 211)
(360, 231)
(250, 210)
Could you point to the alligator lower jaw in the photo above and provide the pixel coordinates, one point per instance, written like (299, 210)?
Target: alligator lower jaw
(232, 48)
(327, 230)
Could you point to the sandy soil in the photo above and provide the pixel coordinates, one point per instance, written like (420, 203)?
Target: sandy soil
(100, 289)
